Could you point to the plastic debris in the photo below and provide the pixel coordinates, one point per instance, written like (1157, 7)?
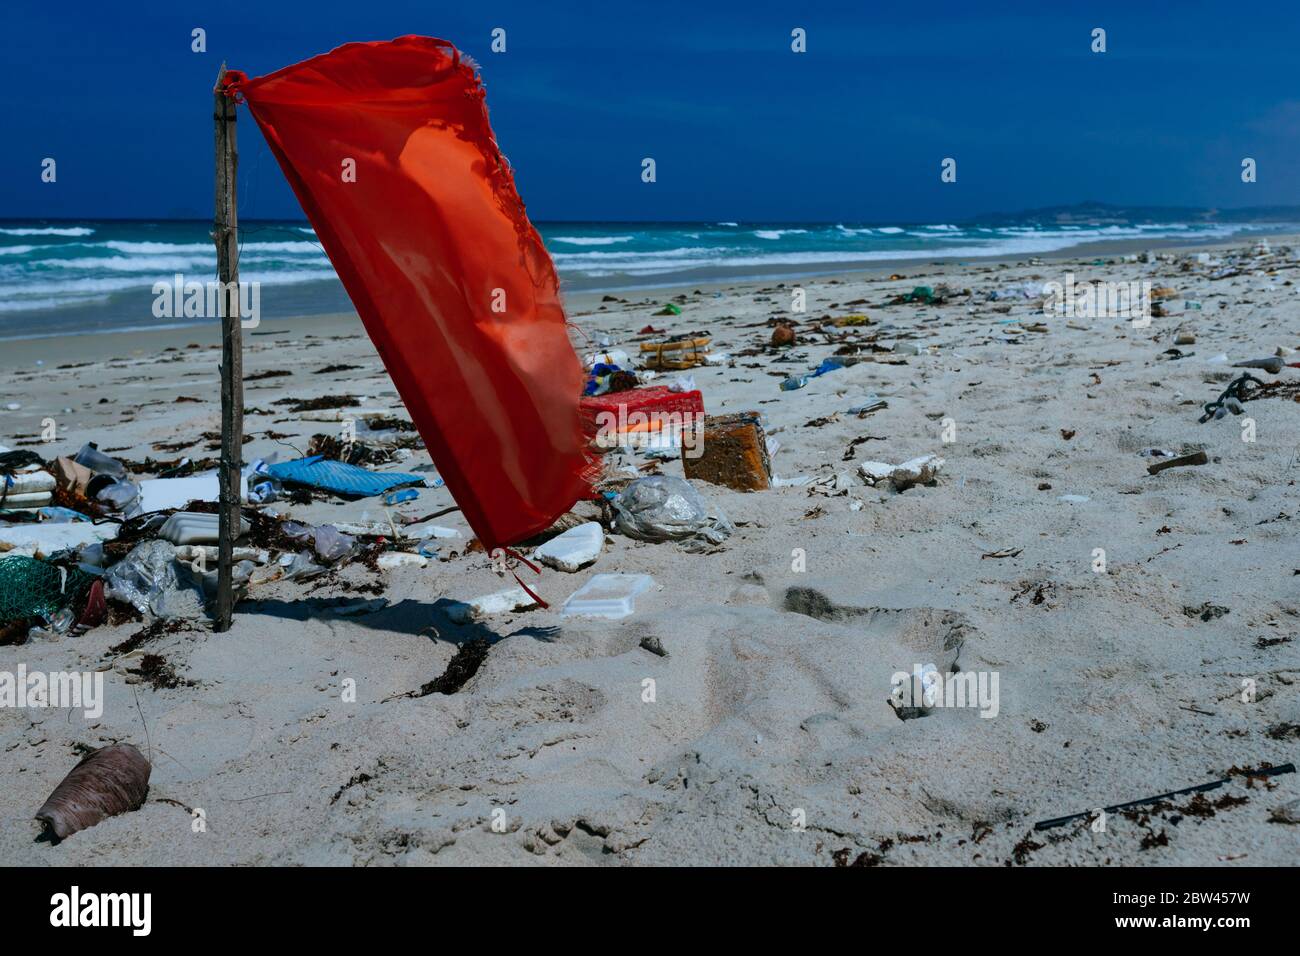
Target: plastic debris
(1273, 364)
(400, 559)
(31, 588)
(574, 549)
(96, 461)
(662, 508)
(154, 582)
(329, 543)
(615, 357)
(26, 485)
(916, 471)
(166, 494)
(638, 416)
(52, 537)
(607, 595)
(185, 527)
(339, 477)
(499, 602)
(683, 353)
(108, 781)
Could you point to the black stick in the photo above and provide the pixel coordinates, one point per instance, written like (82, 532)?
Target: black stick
(1201, 788)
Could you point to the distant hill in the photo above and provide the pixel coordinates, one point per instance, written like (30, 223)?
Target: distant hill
(1107, 214)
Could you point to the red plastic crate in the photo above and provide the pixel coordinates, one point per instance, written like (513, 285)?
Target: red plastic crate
(650, 399)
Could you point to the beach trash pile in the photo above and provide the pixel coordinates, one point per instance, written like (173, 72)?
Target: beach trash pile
(85, 534)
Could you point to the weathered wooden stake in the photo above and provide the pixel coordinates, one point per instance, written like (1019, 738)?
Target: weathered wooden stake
(225, 233)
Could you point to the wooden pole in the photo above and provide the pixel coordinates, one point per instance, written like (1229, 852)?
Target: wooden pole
(225, 233)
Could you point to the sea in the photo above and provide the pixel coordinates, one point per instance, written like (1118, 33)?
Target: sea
(74, 278)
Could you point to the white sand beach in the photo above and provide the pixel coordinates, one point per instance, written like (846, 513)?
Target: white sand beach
(1142, 627)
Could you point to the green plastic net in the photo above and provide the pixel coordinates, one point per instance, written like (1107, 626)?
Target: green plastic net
(33, 588)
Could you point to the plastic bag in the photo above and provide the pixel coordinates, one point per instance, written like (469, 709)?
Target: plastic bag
(662, 508)
(329, 542)
(119, 495)
(151, 579)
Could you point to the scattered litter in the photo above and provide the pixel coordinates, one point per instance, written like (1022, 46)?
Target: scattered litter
(655, 646)
(607, 595)
(28, 489)
(867, 406)
(641, 417)
(1287, 813)
(615, 357)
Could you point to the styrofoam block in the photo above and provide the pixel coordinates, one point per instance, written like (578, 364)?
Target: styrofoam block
(574, 549)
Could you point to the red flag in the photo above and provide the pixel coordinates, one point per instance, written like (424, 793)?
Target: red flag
(388, 148)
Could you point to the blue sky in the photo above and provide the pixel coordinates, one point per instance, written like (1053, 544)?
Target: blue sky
(740, 127)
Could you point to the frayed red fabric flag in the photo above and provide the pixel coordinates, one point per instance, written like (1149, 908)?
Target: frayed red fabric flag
(388, 148)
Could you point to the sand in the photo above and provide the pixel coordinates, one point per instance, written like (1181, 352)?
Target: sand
(770, 738)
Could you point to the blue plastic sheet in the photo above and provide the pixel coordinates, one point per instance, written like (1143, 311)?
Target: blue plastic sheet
(339, 477)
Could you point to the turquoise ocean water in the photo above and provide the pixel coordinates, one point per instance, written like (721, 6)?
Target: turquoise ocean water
(64, 277)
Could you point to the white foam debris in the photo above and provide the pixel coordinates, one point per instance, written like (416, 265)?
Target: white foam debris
(917, 471)
(499, 602)
(574, 549)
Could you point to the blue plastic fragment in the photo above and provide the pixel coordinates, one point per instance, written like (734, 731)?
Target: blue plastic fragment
(339, 477)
